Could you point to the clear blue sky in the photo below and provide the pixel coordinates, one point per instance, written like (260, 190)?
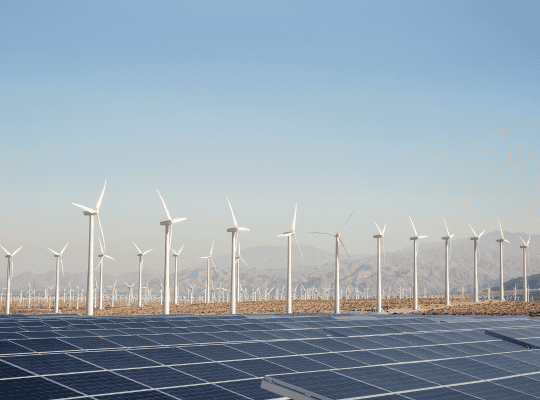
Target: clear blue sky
(428, 108)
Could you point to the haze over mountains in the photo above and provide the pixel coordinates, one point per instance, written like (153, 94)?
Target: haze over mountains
(267, 267)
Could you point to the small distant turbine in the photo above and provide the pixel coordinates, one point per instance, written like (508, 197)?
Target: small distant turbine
(501, 245)
(337, 309)
(379, 282)
(9, 273)
(59, 262)
(140, 255)
(208, 259)
(176, 274)
(447, 239)
(289, 261)
(238, 259)
(234, 231)
(101, 264)
(525, 286)
(168, 238)
(476, 238)
(89, 212)
(415, 239)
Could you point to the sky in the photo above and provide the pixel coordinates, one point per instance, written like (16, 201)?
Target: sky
(388, 108)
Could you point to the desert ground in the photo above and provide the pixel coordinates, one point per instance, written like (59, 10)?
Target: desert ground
(429, 306)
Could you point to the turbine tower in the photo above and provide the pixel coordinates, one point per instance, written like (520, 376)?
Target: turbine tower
(101, 256)
(447, 240)
(168, 238)
(234, 232)
(336, 283)
(89, 212)
(289, 260)
(58, 257)
(208, 259)
(501, 245)
(415, 239)
(525, 286)
(238, 259)
(176, 274)
(379, 283)
(476, 238)
(9, 273)
(140, 255)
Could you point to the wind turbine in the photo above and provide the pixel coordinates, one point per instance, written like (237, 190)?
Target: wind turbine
(501, 245)
(289, 260)
(476, 238)
(58, 257)
(208, 259)
(130, 292)
(140, 255)
(176, 274)
(338, 239)
(415, 239)
(168, 238)
(89, 212)
(234, 231)
(379, 283)
(102, 256)
(447, 240)
(9, 273)
(525, 286)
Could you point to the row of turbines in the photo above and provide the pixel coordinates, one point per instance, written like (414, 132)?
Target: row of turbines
(235, 261)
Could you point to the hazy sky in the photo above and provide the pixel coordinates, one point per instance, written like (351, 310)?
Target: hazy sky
(427, 108)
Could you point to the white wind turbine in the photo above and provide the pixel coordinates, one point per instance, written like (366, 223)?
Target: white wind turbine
(447, 240)
(208, 259)
(336, 283)
(379, 281)
(130, 293)
(140, 255)
(525, 285)
(415, 239)
(90, 213)
(238, 259)
(168, 238)
(9, 273)
(176, 274)
(101, 256)
(476, 238)
(234, 231)
(289, 260)
(59, 261)
(501, 245)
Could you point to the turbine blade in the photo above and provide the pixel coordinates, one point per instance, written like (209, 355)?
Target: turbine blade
(243, 229)
(447, 231)
(344, 248)
(479, 236)
(16, 251)
(174, 221)
(415, 234)
(147, 251)
(421, 237)
(299, 248)
(100, 246)
(475, 235)
(244, 262)
(294, 219)
(346, 221)
(175, 253)
(523, 241)
(179, 251)
(52, 251)
(139, 250)
(211, 249)
(103, 236)
(379, 229)
(85, 208)
(101, 197)
(62, 264)
(452, 235)
(383, 229)
(528, 241)
(232, 212)
(213, 264)
(62, 252)
(165, 206)
(109, 257)
(323, 233)
(502, 235)
(7, 252)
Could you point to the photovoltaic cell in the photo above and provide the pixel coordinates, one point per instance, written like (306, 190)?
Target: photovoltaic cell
(434, 373)
(260, 349)
(91, 343)
(258, 368)
(336, 360)
(97, 382)
(473, 368)
(492, 391)
(9, 371)
(213, 372)
(51, 364)
(386, 378)
(170, 356)
(35, 388)
(203, 392)
(142, 395)
(299, 363)
(219, 352)
(115, 359)
(159, 377)
(439, 394)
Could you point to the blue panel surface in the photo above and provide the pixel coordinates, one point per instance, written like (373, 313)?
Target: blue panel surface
(159, 377)
(97, 382)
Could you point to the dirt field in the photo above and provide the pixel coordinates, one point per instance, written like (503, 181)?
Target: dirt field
(429, 306)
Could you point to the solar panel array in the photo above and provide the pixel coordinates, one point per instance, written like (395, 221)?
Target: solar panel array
(227, 357)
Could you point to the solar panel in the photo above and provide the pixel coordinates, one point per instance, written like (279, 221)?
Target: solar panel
(51, 364)
(213, 372)
(258, 368)
(299, 363)
(159, 377)
(203, 392)
(115, 359)
(35, 388)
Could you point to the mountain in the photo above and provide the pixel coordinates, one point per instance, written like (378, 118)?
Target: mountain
(267, 267)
